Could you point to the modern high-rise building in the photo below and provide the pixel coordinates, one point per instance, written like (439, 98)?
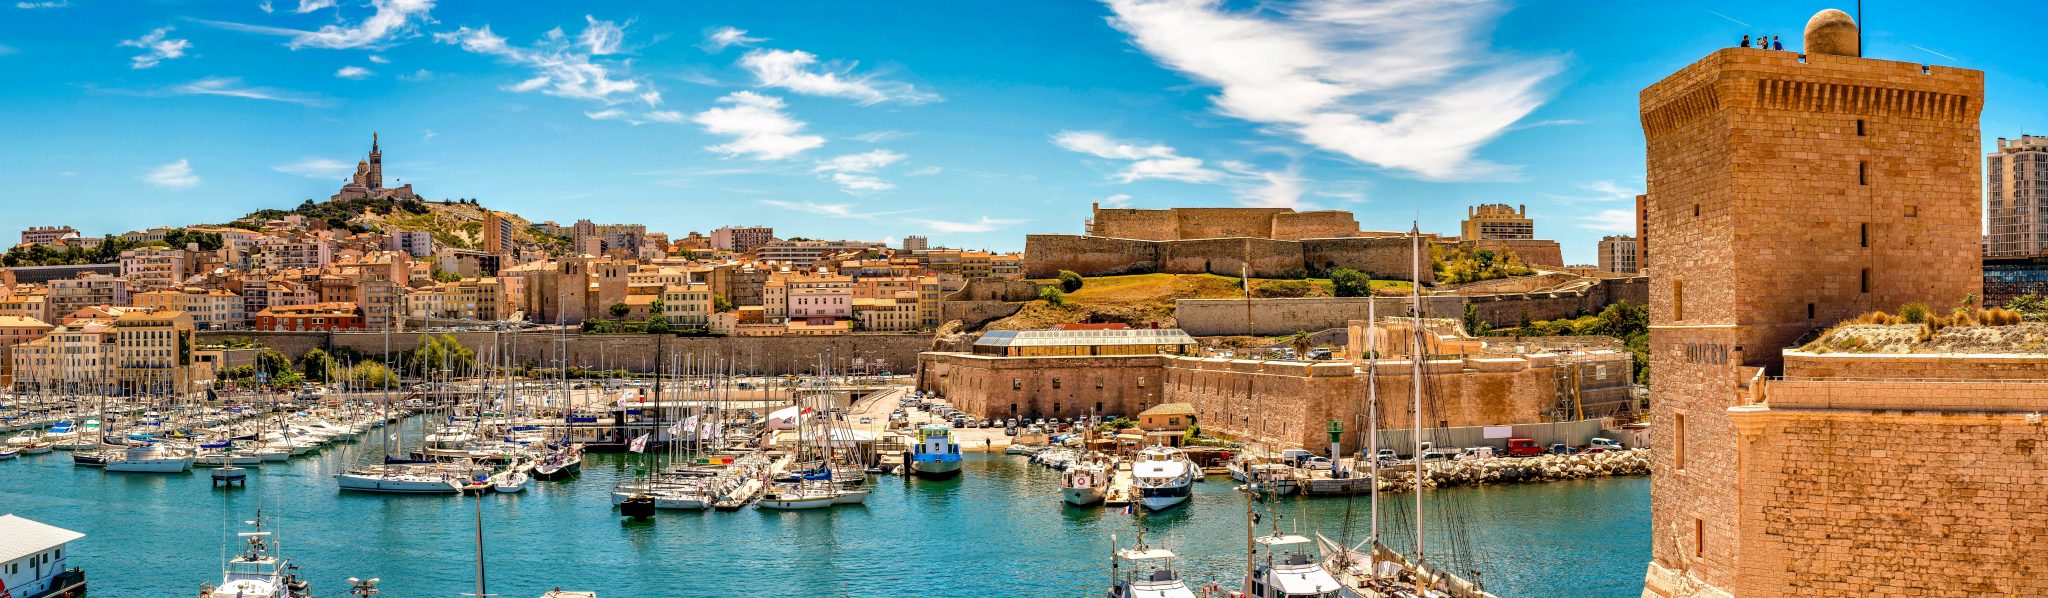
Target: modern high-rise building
(1756, 490)
(915, 243)
(498, 233)
(1497, 221)
(2016, 197)
(741, 238)
(1618, 254)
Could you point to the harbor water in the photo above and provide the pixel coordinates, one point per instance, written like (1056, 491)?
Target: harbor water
(997, 530)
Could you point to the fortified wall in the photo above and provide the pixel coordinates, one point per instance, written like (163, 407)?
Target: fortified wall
(985, 300)
(1045, 255)
(1215, 223)
(1271, 317)
(1535, 252)
(633, 352)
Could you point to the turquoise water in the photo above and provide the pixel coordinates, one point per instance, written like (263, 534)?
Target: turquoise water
(999, 530)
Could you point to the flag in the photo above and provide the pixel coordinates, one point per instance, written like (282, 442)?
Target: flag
(640, 444)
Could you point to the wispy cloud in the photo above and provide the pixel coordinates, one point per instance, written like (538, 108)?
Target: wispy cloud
(157, 47)
(985, 224)
(562, 68)
(1143, 161)
(852, 171)
(233, 87)
(175, 175)
(926, 171)
(1403, 84)
(6, 50)
(353, 72)
(317, 168)
(725, 37)
(379, 59)
(883, 136)
(1611, 190)
(799, 72)
(419, 75)
(1115, 201)
(835, 210)
(1730, 19)
(391, 21)
(614, 114)
(758, 126)
(1924, 49)
(1609, 221)
(1281, 189)
(40, 5)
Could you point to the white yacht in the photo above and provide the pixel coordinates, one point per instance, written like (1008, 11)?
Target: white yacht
(1145, 572)
(258, 572)
(391, 479)
(1288, 571)
(85, 439)
(1163, 477)
(798, 497)
(150, 458)
(1085, 482)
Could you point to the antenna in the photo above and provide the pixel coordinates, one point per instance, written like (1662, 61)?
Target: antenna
(1860, 28)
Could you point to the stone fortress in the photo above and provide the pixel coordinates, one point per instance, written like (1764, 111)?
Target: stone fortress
(1264, 242)
(368, 181)
(1778, 472)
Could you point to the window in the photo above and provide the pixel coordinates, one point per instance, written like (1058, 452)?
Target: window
(1141, 382)
(1862, 173)
(1866, 280)
(1859, 127)
(1016, 384)
(1695, 210)
(1912, 211)
(1098, 383)
(1864, 234)
(1699, 537)
(1055, 408)
(1678, 441)
(1678, 299)
(1809, 311)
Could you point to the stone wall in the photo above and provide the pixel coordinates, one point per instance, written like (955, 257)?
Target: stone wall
(1129, 223)
(1383, 257)
(1223, 317)
(768, 355)
(1038, 387)
(1320, 224)
(974, 314)
(995, 289)
(1535, 252)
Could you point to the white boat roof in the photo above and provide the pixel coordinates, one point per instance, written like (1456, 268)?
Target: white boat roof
(1145, 555)
(1280, 540)
(1305, 580)
(20, 537)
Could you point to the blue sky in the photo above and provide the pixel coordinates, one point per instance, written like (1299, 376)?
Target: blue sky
(974, 123)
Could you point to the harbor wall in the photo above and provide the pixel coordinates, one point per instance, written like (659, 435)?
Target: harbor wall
(1277, 316)
(636, 353)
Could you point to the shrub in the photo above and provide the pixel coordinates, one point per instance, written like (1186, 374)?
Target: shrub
(1915, 313)
(1346, 282)
(1052, 295)
(1069, 281)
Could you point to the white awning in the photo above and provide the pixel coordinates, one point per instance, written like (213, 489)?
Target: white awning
(20, 537)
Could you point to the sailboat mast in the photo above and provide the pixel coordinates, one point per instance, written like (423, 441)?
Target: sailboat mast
(1372, 410)
(1415, 358)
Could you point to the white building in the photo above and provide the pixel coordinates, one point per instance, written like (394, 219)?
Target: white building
(32, 558)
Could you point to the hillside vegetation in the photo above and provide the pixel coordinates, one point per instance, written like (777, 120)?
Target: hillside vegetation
(1142, 300)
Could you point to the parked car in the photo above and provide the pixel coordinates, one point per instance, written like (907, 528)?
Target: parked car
(1314, 463)
(1320, 354)
(1387, 457)
(1523, 447)
(1010, 431)
(1606, 443)
(1475, 452)
(1432, 455)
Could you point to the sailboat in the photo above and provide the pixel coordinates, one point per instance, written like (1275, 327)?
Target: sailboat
(258, 572)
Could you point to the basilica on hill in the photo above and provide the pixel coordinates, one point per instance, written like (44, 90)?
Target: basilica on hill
(368, 181)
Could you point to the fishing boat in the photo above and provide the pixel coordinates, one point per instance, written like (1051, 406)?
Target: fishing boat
(258, 572)
(935, 455)
(1289, 571)
(1085, 482)
(1163, 477)
(149, 458)
(1145, 572)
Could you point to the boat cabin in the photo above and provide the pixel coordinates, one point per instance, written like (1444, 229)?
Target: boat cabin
(32, 559)
(1289, 571)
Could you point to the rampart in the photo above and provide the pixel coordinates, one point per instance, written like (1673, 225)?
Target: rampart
(1383, 257)
(1535, 252)
(1219, 317)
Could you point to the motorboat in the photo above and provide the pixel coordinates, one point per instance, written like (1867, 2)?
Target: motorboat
(61, 432)
(1146, 572)
(226, 458)
(149, 458)
(258, 572)
(85, 439)
(8, 452)
(1163, 477)
(935, 455)
(25, 438)
(39, 447)
(1289, 571)
(1085, 482)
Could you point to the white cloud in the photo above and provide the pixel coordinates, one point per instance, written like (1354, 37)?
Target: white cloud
(850, 171)
(1115, 201)
(926, 171)
(429, 135)
(1610, 221)
(1153, 161)
(985, 224)
(836, 210)
(860, 182)
(1280, 190)
(793, 70)
(353, 72)
(1402, 84)
(392, 20)
(175, 175)
(758, 126)
(882, 136)
(232, 87)
(1610, 190)
(725, 37)
(667, 116)
(419, 75)
(36, 5)
(379, 59)
(560, 68)
(613, 114)
(601, 37)
(7, 50)
(158, 47)
(265, 7)
(317, 168)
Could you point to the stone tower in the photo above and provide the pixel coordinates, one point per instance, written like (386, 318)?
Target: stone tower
(376, 178)
(1786, 192)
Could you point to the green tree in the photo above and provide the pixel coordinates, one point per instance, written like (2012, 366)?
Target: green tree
(2033, 306)
(1474, 325)
(720, 304)
(439, 351)
(444, 275)
(658, 308)
(372, 374)
(272, 363)
(619, 310)
(1052, 295)
(657, 325)
(318, 365)
(1069, 281)
(1346, 282)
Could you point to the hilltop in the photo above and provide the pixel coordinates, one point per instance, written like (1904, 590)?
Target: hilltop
(453, 223)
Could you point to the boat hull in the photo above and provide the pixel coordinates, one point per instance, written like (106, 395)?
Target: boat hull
(852, 496)
(935, 468)
(157, 465)
(566, 471)
(1082, 497)
(803, 503)
(362, 483)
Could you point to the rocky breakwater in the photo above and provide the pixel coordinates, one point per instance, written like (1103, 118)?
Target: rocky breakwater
(1512, 470)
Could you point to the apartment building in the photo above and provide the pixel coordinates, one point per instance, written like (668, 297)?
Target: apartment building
(1497, 222)
(687, 305)
(153, 352)
(76, 357)
(1618, 254)
(210, 309)
(17, 330)
(149, 268)
(69, 294)
(331, 317)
